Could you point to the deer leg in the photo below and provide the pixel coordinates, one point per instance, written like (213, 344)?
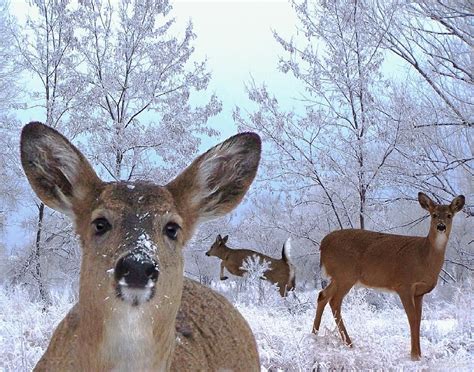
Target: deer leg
(409, 302)
(222, 271)
(336, 302)
(323, 298)
(282, 289)
(418, 308)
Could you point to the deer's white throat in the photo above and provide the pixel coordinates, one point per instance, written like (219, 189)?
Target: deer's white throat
(128, 342)
(440, 240)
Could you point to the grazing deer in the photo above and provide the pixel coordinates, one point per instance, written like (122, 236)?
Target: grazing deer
(281, 272)
(136, 311)
(407, 265)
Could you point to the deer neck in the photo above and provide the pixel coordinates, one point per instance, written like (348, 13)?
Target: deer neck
(117, 336)
(133, 342)
(223, 251)
(437, 243)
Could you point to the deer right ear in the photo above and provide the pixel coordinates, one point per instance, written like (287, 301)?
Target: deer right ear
(216, 181)
(225, 238)
(426, 202)
(458, 203)
(57, 171)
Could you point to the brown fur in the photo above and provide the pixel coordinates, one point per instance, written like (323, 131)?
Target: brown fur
(102, 332)
(280, 272)
(407, 265)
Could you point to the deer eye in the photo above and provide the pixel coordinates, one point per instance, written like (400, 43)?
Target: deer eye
(171, 230)
(435, 215)
(450, 215)
(101, 225)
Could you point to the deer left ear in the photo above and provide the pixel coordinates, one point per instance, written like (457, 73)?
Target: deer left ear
(426, 202)
(457, 204)
(216, 181)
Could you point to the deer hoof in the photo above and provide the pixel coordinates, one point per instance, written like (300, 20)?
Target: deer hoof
(415, 357)
(224, 277)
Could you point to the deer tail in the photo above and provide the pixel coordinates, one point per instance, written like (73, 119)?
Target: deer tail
(286, 257)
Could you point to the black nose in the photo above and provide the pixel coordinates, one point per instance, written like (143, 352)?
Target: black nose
(136, 270)
(207, 254)
(441, 227)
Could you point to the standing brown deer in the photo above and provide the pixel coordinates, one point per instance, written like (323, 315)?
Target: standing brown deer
(407, 265)
(136, 311)
(281, 272)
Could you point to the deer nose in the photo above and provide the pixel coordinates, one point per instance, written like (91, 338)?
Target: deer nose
(136, 270)
(207, 254)
(441, 227)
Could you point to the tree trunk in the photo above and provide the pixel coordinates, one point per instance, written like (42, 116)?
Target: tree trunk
(39, 278)
(362, 208)
(118, 165)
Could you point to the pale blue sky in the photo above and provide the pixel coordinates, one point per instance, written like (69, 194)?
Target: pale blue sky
(236, 37)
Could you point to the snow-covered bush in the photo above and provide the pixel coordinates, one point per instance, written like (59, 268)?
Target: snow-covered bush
(26, 327)
(252, 289)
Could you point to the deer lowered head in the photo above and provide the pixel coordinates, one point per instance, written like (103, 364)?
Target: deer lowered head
(132, 235)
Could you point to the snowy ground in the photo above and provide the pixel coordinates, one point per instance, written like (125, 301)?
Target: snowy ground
(377, 325)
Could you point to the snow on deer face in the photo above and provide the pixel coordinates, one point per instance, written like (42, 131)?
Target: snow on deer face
(136, 230)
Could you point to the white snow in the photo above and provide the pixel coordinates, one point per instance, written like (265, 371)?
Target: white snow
(146, 243)
(282, 328)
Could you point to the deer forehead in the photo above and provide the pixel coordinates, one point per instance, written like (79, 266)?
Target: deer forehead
(442, 211)
(137, 196)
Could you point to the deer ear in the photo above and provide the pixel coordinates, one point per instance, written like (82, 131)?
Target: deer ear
(216, 181)
(425, 202)
(56, 170)
(225, 238)
(219, 238)
(457, 204)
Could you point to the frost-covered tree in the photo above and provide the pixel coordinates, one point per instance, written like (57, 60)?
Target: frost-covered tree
(10, 190)
(139, 82)
(435, 38)
(8, 69)
(334, 149)
(44, 45)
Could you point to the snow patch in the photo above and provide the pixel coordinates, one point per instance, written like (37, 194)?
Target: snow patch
(144, 242)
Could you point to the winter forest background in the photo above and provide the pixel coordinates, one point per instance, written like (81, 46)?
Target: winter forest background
(365, 104)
